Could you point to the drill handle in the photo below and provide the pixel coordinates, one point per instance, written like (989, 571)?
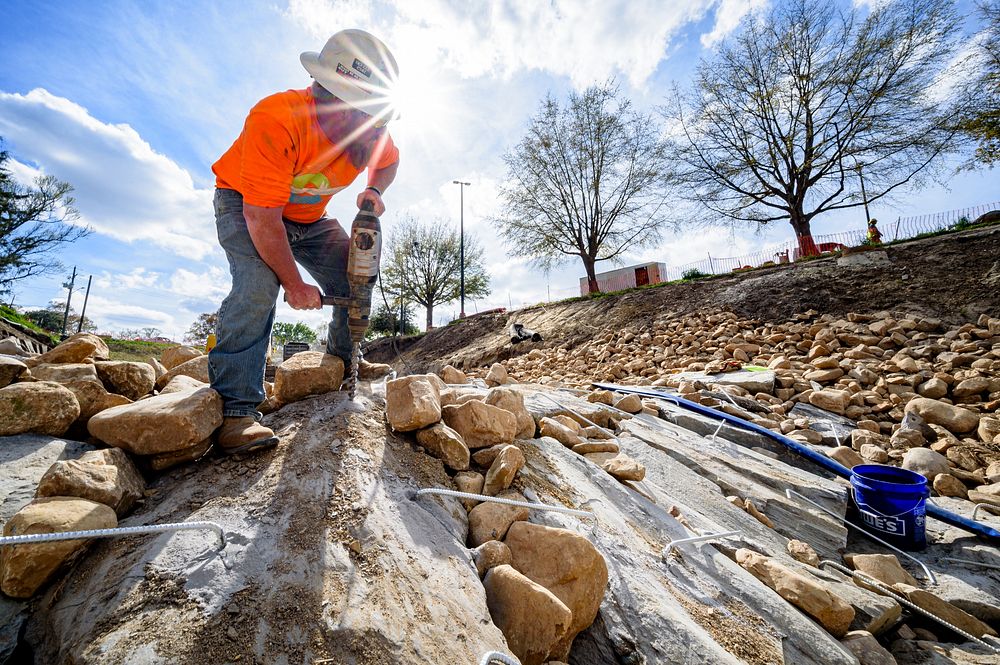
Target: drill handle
(336, 301)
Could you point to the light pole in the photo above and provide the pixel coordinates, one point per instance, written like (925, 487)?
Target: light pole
(461, 243)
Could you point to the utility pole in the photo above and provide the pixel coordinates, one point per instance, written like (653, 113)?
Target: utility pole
(69, 297)
(864, 195)
(86, 297)
(461, 243)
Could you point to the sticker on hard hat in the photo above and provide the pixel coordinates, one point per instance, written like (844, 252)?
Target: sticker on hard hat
(362, 67)
(344, 71)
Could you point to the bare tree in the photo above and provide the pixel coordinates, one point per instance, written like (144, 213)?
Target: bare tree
(586, 180)
(34, 222)
(810, 109)
(424, 263)
(982, 123)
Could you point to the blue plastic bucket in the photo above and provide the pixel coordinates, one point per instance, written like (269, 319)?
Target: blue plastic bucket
(890, 503)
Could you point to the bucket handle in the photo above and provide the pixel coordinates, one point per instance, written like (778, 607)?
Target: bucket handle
(854, 495)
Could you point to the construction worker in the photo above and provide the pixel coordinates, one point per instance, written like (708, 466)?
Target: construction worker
(874, 235)
(297, 149)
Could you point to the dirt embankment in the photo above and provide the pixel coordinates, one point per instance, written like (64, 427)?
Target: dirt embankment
(954, 278)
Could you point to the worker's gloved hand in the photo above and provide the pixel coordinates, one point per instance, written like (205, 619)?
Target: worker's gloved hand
(376, 201)
(304, 296)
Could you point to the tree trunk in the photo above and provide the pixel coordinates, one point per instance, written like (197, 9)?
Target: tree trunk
(592, 286)
(800, 224)
(430, 316)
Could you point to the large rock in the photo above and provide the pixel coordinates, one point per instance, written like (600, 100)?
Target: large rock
(158, 368)
(953, 418)
(534, 621)
(559, 432)
(412, 402)
(305, 374)
(502, 471)
(130, 379)
(480, 424)
(181, 384)
(73, 350)
(160, 424)
(867, 649)
(490, 521)
(101, 351)
(40, 406)
(809, 595)
(752, 382)
(489, 555)
(883, 567)
(926, 462)
(445, 443)
(10, 370)
(846, 456)
(989, 429)
(944, 609)
(452, 375)
(94, 398)
(178, 355)
(196, 368)
(619, 465)
(24, 568)
(469, 482)
(831, 400)
(511, 400)
(106, 476)
(64, 373)
(566, 564)
(946, 484)
(497, 376)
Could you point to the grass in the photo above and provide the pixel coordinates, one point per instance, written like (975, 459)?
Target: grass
(10, 314)
(135, 349)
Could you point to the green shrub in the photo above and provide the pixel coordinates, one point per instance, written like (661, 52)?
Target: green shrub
(692, 274)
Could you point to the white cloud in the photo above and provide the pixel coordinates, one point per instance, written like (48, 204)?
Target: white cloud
(123, 188)
(727, 17)
(137, 278)
(116, 315)
(584, 40)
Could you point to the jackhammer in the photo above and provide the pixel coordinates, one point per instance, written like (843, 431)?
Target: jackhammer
(363, 258)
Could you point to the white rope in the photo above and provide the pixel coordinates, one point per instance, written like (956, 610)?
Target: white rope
(903, 600)
(492, 657)
(506, 502)
(118, 531)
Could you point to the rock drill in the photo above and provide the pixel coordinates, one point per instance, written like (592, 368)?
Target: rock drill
(363, 258)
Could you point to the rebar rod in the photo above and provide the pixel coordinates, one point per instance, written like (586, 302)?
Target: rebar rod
(115, 532)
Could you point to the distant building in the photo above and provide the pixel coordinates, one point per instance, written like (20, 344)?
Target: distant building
(628, 278)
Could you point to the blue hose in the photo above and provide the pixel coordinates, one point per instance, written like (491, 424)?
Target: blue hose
(830, 465)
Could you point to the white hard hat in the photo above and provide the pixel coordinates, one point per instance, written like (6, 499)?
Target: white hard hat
(358, 68)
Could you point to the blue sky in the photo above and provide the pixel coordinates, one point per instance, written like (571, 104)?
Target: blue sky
(132, 102)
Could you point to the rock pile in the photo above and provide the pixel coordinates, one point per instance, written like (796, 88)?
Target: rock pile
(895, 387)
(543, 585)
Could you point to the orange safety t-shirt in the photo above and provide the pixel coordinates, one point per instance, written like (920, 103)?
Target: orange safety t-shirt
(283, 158)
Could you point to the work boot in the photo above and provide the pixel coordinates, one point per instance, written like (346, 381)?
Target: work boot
(243, 434)
(370, 371)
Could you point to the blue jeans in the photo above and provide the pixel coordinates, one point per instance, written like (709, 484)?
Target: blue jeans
(243, 330)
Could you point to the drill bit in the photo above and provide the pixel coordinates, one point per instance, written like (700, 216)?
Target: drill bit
(355, 362)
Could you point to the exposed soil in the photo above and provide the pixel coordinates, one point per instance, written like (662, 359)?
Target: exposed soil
(954, 278)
